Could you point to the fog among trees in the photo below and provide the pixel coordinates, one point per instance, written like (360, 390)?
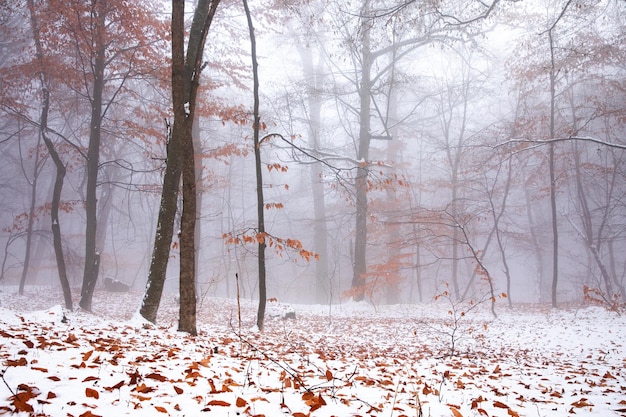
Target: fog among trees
(403, 150)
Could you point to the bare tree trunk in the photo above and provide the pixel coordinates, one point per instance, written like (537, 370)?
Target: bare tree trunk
(480, 265)
(31, 212)
(587, 232)
(392, 286)
(535, 243)
(186, 70)
(187, 310)
(454, 153)
(197, 148)
(164, 231)
(618, 283)
(418, 269)
(313, 75)
(553, 183)
(90, 275)
(259, 176)
(496, 225)
(60, 167)
(362, 173)
(105, 203)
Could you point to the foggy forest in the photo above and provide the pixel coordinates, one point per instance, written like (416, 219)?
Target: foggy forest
(404, 149)
(388, 167)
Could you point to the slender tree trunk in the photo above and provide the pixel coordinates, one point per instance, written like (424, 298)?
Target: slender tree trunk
(455, 241)
(323, 293)
(60, 167)
(555, 230)
(259, 176)
(313, 75)
(538, 281)
(416, 232)
(454, 154)
(31, 213)
(553, 183)
(587, 233)
(108, 175)
(359, 279)
(619, 284)
(393, 152)
(496, 224)
(90, 275)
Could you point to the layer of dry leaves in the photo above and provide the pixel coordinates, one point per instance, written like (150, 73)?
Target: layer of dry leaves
(351, 359)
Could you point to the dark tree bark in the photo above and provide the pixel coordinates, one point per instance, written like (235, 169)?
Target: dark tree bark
(90, 275)
(187, 280)
(164, 231)
(180, 160)
(60, 167)
(259, 176)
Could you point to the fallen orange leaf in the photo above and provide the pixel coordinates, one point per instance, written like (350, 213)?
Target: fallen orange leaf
(219, 403)
(89, 414)
(455, 412)
(512, 413)
(92, 393)
(157, 377)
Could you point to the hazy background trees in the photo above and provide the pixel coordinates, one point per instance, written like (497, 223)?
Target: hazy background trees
(416, 143)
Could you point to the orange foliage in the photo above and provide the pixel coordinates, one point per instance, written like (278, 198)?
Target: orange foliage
(280, 245)
(598, 297)
(20, 221)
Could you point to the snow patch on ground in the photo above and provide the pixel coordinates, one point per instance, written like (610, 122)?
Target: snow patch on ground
(350, 359)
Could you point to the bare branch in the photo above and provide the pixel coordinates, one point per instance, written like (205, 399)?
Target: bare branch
(540, 142)
(551, 28)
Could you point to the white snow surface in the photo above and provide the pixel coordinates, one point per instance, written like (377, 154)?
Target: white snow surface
(351, 359)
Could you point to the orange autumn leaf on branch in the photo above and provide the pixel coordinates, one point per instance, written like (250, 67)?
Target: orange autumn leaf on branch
(281, 245)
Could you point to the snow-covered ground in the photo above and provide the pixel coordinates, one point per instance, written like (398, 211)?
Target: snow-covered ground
(352, 359)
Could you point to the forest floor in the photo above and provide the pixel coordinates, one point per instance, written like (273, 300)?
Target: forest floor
(353, 359)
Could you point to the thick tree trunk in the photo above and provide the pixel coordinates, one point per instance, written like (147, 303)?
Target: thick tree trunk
(171, 178)
(164, 232)
(185, 81)
(187, 311)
